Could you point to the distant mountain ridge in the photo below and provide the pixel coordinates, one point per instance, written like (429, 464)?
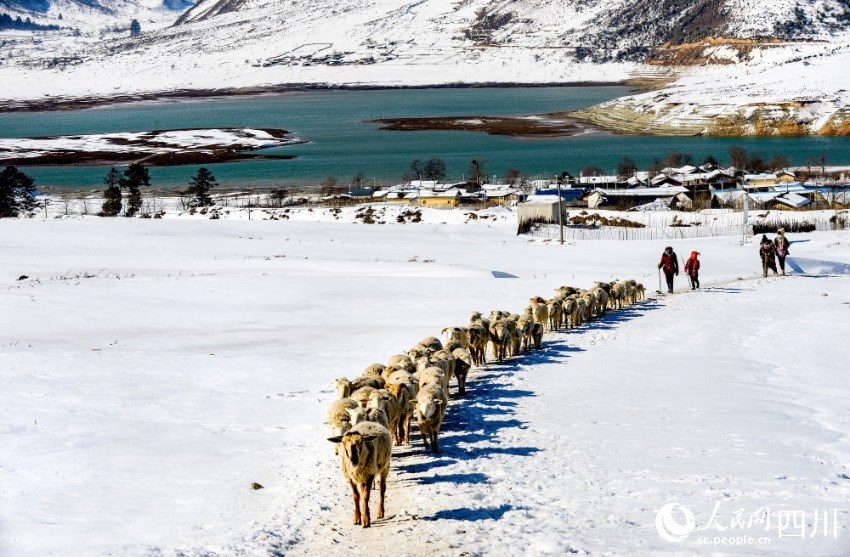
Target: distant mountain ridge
(768, 51)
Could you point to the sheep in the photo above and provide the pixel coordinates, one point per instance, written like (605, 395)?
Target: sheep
(500, 338)
(430, 408)
(384, 400)
(374, 370)
(362, 395)
(478, 337)
(581, 311)
(554, 307)
(463, 362)
(540, 312)
(458, 334)
(358, 415)
(338, 417)
(402, 361)
(524, 324)
(477, 318)
(640, 291)
(570, 308)
(447, 357)
(617, 295)
(402, 377)
(516, 334)
(537, 335)
(433, 375)
(345, 387)
(404, 394)
(366, 453)
(433, 343)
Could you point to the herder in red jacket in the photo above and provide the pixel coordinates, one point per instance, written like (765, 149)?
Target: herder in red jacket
(692, 269)
(670, 265)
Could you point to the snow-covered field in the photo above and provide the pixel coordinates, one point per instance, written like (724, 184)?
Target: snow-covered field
(153, 369)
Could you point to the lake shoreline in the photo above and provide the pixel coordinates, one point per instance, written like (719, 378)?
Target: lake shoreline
(60, 104)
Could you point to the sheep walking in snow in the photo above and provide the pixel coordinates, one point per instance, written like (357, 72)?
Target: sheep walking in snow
(366, 453)
(404, 395)
(430, 408)
(384, 400)
(337, 416)
(478, 337)
(358, 415)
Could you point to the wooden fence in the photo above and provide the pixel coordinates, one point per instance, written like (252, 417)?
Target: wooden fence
(649, 233)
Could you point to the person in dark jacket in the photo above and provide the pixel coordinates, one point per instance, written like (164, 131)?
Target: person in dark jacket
(767, 252)
(692, 269)
(670, 265)
(781, 244)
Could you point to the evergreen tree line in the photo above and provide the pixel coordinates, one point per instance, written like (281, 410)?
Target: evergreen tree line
(135, 177)
(6, 22)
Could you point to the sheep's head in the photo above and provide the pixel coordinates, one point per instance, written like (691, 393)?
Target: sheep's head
(353, 445)
(396, 389)
(428, 406)
(343, 387)
(356, 415)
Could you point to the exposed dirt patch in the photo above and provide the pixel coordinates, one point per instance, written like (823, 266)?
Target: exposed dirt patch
(544, 125)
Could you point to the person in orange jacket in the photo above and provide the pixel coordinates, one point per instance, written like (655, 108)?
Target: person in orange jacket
(692, 269)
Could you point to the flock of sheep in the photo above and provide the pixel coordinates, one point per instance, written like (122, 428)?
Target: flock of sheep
(374, 410)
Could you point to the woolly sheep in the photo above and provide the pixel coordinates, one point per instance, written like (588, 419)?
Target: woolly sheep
(404, 394)
(430, 408)
(433, 375)
(523, 325)
(358, 415)
(478, 337)
(458, 334)
(432, 343)
(337, 416)
(366, 453)
(374, 370)
(537, 335)
(361, 395)
(384, 400)
(463, 363)
(500, 338)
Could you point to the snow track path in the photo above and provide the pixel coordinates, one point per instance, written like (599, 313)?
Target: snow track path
(574, 449)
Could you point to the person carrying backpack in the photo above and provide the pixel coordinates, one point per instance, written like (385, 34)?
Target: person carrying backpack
(780, 243)
(692, 269)
(670, 265)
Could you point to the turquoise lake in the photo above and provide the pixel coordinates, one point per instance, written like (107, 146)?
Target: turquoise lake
(342, 143)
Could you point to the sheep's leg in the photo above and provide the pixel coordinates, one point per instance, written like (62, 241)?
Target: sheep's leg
(356, 493)
(435, 443)
(423, 430)
(383, 488)
(407, 428)
(366, 488)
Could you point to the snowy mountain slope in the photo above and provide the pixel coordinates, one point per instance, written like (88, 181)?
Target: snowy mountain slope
(95, 15)
(268, 44)
(793, 89)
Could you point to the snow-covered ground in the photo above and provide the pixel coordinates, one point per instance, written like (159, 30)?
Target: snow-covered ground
(153, 369)
(140, 144)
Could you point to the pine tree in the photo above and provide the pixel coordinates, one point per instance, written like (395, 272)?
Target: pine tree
(135, 28)
(17, 193)
(112, 198)
(135, 176)
(200, 186)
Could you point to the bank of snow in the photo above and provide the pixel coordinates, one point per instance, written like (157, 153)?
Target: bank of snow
(153, 369)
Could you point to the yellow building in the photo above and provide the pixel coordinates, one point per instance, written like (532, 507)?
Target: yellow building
(440, 200)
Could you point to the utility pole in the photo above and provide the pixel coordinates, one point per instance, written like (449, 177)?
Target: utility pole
(560, 211)
(745, 217)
